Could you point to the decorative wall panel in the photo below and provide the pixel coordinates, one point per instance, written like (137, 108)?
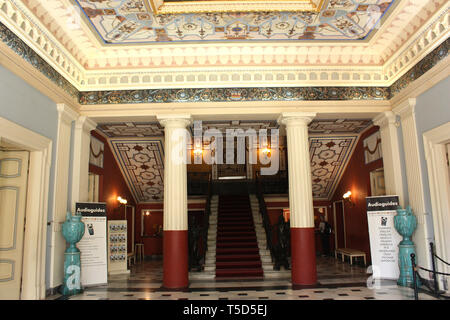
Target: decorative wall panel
(97, 151)
(372, 148)
(9, 206)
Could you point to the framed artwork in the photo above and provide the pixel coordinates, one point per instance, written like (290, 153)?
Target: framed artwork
(377, 182)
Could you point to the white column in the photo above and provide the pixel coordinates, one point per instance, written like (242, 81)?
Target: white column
(303, 253)
(423, 234)
(387, 121)
(175, 171)
(299, 162)
(175, 221)
(61, 185)
(80, 163)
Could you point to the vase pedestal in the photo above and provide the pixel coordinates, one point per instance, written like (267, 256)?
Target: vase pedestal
(72, 272)
(73, 231)
(405, 223)
(406, 273)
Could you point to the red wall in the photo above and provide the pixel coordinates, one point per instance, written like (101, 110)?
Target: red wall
(356, 178)
(112, 183)
(275, 213)
(154, 245)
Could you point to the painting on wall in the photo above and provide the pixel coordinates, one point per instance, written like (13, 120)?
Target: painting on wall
(377, 185)
(372, 148)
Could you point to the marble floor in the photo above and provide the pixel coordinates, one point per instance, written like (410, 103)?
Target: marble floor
(336, 281)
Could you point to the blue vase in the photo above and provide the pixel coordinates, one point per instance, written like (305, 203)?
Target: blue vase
(405, 223)
(73, 231)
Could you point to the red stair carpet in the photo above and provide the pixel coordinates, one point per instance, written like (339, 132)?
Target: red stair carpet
(237, 252)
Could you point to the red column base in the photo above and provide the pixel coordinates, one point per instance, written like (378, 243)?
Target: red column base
(304, 271)
(175, 260)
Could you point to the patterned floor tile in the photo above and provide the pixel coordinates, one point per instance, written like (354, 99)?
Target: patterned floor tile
(336, 281)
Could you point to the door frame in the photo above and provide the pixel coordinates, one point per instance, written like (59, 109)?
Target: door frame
(435, 142)
(335, 224)
(133, 222)
(35, 235)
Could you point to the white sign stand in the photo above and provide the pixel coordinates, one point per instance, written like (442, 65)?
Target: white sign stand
(94, 263)
(384, 239)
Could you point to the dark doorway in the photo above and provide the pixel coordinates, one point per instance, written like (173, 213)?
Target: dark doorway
(339, 224)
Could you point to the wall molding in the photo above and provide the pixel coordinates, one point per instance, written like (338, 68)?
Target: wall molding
(435, 142)
(423, 234)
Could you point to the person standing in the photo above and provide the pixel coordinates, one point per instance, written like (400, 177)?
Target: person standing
(325, 231)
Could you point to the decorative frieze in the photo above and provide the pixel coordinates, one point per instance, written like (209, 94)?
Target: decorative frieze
(233, 94)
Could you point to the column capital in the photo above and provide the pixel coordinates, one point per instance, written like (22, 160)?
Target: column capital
(85, 124)
(296, 118)
(66, 113)
(175, 120)
(385, 118)
(406, 108)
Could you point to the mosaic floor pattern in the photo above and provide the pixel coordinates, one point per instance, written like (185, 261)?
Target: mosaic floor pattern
(336, 281)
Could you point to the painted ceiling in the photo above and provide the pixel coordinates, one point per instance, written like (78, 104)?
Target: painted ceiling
(139, 151)
(132, 21)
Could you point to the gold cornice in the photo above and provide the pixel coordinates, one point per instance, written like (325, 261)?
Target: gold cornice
(179, 7)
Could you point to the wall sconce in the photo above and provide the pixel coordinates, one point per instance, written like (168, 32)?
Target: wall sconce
(348, 198)
(198, 152)
(147, 213)
(266, 152)
(121, 200)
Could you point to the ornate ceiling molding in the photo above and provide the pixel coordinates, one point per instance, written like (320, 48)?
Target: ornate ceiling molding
(38, 42)
(267, 94)
(285, 93)
(408, 34)
(289, 75)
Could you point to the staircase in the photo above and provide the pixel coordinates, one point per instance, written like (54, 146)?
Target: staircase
(237, 250)
(267, 263)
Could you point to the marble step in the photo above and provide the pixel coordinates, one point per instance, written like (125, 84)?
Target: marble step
(205, 275)
(273, 274)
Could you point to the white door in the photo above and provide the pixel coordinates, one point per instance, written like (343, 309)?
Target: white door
(13, 194)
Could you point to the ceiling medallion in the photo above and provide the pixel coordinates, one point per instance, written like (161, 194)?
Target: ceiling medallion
(203, 6)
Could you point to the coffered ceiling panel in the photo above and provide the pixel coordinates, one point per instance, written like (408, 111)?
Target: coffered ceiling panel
(120, 22)
(329, 158)
(142, 164)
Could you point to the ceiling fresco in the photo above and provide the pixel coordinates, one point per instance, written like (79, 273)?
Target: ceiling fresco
(139, 150)
(132, 21)
(142, 164)
(329, 158)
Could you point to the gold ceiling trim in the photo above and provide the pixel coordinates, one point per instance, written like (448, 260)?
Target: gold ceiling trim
(182, 7)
